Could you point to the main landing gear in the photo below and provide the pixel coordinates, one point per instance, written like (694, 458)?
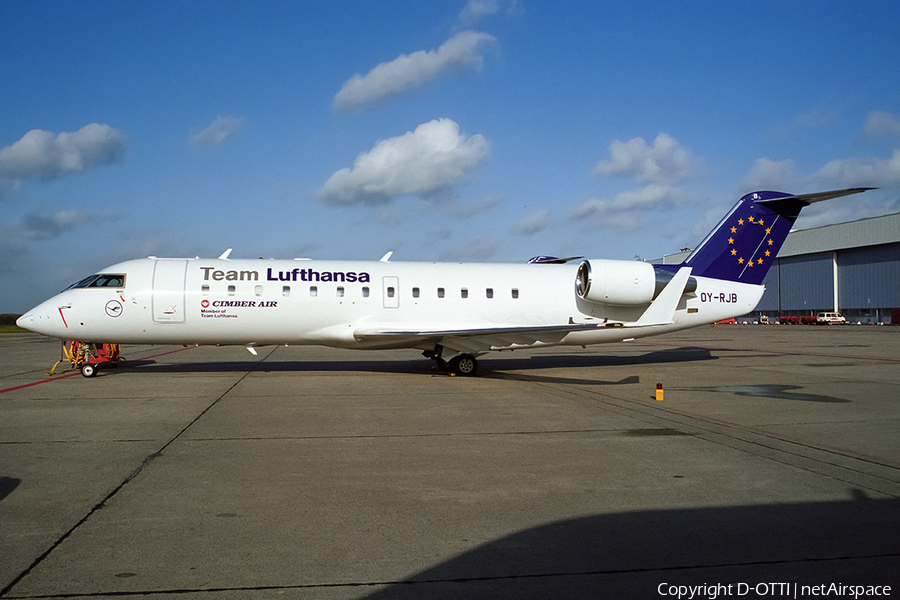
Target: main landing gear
(460, 364)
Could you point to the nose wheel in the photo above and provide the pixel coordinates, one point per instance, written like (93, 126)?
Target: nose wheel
(87, 357)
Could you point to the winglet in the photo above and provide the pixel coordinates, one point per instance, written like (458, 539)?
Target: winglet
(662, 310)
(225, 254)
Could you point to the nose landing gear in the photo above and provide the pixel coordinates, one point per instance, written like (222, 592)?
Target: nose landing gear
(87, 357)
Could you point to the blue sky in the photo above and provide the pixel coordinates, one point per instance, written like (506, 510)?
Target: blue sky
(492, 130)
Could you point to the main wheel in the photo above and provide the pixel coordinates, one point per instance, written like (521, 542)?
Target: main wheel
(464, 364)
(88, 370)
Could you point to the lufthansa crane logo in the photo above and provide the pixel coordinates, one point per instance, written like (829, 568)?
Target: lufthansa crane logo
(114, 308)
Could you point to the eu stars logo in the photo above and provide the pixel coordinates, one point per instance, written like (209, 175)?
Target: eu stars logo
(745, 243)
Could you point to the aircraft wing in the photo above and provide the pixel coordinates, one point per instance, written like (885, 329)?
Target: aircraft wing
(481, 339)
(475, 339)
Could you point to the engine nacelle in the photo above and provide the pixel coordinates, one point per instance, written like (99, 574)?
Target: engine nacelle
(616, 282)
(623, 283)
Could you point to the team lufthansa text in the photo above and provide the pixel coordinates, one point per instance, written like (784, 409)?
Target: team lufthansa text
(297, 274)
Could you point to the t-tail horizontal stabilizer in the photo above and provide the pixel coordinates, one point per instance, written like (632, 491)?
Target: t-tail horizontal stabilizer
(745, 243)
(662, 310)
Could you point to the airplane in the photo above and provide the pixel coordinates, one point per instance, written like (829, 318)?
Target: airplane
(452, 312)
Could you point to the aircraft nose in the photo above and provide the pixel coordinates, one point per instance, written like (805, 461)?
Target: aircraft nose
(45, 319)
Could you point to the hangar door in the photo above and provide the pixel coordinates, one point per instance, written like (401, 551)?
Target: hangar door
(168, 290)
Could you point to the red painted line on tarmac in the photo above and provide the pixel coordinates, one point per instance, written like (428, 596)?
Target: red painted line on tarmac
(27, 385)
(67, 375)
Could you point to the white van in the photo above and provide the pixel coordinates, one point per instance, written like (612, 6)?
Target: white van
(830, 318)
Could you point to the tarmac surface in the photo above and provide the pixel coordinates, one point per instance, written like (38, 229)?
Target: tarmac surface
(772, 463)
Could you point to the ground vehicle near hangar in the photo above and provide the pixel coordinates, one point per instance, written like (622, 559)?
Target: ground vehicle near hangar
(830, 318)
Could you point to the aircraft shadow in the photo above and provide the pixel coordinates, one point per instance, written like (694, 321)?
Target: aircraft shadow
(554, 361)
(526, 368)
(8, 485)
(628, 555)
(489, 366)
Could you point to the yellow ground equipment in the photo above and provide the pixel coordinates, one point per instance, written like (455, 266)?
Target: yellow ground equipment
(87, 357)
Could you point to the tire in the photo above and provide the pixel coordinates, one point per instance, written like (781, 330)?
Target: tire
(465, 365)
(88, 370)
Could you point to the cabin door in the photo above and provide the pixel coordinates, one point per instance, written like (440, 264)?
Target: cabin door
(168, 290)
(392, 292)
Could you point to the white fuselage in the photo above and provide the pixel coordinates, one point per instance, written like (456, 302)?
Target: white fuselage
(348, 304)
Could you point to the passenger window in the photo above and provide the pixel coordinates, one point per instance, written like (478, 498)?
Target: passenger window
(515, 293)
(440, 292)
(340, 291)
(231, 290)
(390, 292)
(205, 289)
(286, 291)
(365, 291)
(259, 290)
(415, 292)
(313, 291)
(464, 293)
(489, 292)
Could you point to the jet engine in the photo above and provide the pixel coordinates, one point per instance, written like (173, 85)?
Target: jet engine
(623, 283)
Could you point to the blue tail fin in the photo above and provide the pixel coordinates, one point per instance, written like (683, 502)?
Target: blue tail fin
(745, 243)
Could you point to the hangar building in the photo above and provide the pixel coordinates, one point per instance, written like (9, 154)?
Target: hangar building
(852, 268)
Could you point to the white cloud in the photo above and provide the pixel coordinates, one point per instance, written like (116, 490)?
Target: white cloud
(657, 168)
(480, 249)
(767, 174)
(44, 155)
(593, 216)
(531, 224)
(663, 162)
(407, 72)
(881, 123)
(419, 163)
(475, 10)
(217, 132)
(817, 119)
(862, 172)
(467, 210)
(648, 197)
(41, 227)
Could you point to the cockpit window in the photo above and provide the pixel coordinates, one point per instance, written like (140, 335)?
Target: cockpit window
(83, 283)
(102, 280)
(107, 280)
